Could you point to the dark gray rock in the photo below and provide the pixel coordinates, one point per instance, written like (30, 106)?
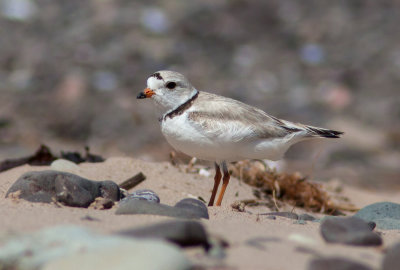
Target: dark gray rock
(336, 264)
(371, 225)
(143, 194)
(132, 207)
(386, 215)
(391, 261)
(67, 188)
(350, 231)
(183, 233)
(195, 206)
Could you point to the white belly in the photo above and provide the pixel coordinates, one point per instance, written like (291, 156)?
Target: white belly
(185, 138)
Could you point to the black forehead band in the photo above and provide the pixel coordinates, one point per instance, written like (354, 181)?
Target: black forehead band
(157, 75)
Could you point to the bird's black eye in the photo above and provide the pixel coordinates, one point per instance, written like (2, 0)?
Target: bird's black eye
(171, 85)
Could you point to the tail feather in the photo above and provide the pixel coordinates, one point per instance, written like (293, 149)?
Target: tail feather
(322, 132)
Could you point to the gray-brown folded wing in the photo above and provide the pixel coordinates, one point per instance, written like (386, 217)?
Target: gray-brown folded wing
(227, 118)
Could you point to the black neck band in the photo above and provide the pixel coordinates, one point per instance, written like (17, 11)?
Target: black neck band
(181, 108)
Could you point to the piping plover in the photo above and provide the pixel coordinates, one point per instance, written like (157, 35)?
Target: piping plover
(221, 129)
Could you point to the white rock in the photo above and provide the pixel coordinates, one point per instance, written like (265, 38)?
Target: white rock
(302, 239)
(204, 172)
(64, 165)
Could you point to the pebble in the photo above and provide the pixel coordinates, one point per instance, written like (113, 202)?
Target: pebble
(336, 264)
(143, 194)
(260, 242)
(195, 206)
(89, 218)
(183, 233)
(282, 214)
(63, 187)
(64, 166)
(306, 217)
(132, 207)
(302, 239)
(300, 221)
(61, 248)
(204, 172)
(217, 248)
(350, 231)
(391, 261)
(386, 215)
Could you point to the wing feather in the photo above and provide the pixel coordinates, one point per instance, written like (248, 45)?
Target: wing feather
(218, 116)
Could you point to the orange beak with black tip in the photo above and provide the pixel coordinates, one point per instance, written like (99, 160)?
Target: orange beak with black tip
(146, 93)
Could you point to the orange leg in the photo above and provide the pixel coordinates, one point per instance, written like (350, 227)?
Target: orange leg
(225, 182)
(217, 180)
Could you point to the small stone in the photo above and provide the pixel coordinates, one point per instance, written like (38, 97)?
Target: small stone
(204, 172)
(271, 217)
(350, 231)
(289, 215)
(300, 221)
(182, 233)
(336, 264)
(89, 218)
(217, 248)
(371, 225)
(386, 215)
(194, 206)
(143, 194)
(67, 188)
(391, 261)
(259, 242)
(134, 207)
(302, 239)
(306, 217)
(64, 166)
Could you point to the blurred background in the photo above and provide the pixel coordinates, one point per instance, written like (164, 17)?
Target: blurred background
(70, 72)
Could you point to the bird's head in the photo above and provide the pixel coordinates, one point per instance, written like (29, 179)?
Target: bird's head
(168, 89)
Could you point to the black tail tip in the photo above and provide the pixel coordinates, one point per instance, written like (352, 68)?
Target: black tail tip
(332, 134)
(326, 133)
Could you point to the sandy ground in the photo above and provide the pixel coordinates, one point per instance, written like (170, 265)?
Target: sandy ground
(281, 243)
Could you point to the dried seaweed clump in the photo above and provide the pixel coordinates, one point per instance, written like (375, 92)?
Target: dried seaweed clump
(291, 188)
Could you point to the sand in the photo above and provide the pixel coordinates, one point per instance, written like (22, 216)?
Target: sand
(281, 244)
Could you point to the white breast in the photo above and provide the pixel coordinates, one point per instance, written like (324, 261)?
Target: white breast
(181, 135)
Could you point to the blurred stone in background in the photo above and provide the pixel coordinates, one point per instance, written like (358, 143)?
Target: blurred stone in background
(70, 72)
